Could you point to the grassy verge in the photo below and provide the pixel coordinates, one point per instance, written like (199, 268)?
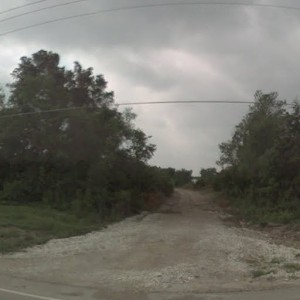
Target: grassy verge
(243, 208)
(29, 225)
(259, 214)
(24, 226)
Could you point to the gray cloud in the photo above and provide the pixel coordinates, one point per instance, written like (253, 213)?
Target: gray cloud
(173, 53)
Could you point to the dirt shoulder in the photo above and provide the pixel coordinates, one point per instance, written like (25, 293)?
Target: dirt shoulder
(185, 247)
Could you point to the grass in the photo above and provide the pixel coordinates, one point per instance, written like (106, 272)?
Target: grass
(244, 208)
(24, 226)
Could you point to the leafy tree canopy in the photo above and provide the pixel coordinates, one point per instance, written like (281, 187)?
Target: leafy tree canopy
(89, 158)
(261, 162)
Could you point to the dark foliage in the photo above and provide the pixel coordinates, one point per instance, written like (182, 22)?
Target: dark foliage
(89, 159)
(261, 163)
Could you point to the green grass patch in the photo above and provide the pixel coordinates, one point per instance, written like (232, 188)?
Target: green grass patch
(24, 226)
(261, 214)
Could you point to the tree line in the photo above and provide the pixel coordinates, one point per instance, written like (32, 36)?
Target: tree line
(260, 164)
(92, 159)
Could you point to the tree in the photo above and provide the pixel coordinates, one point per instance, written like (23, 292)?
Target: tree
(261, 162)
(285, 159)
(2, 98)
(183, 177)
(87, 158)
(207, 176)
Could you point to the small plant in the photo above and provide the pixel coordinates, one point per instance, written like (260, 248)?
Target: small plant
(292, 267)
(275, 260)
(260, 273)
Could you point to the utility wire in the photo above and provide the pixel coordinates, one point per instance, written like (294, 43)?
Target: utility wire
(129, 104)
(40, 112)
(21, 6)
(144, 6)
(183, 102)
(40, 9)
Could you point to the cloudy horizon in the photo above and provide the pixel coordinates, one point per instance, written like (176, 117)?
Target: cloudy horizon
(170, 54)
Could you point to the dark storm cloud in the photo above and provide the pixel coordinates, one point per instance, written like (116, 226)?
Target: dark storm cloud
(141, 28)
(173, 53)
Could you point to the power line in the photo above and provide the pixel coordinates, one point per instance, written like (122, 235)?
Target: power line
(130, 104)
(184, 102)
(144, 6)
(40, 112)
(40, 9)
(21, 6)
(189, 102)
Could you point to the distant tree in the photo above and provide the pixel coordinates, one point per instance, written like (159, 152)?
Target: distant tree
(207, 176)
(2, 99)
(183, 177)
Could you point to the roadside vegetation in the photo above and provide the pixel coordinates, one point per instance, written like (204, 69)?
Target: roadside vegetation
(27, 225)
(68, 172)
(179, 178)
(260, 164)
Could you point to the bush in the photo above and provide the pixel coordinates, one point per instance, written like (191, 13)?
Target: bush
(15, 191)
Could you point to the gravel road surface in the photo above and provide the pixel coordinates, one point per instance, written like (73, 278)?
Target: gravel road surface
(185, 251)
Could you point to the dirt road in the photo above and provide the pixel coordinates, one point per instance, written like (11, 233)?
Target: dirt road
(185, 248)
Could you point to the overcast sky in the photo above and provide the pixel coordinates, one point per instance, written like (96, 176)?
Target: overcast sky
(170, 53)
